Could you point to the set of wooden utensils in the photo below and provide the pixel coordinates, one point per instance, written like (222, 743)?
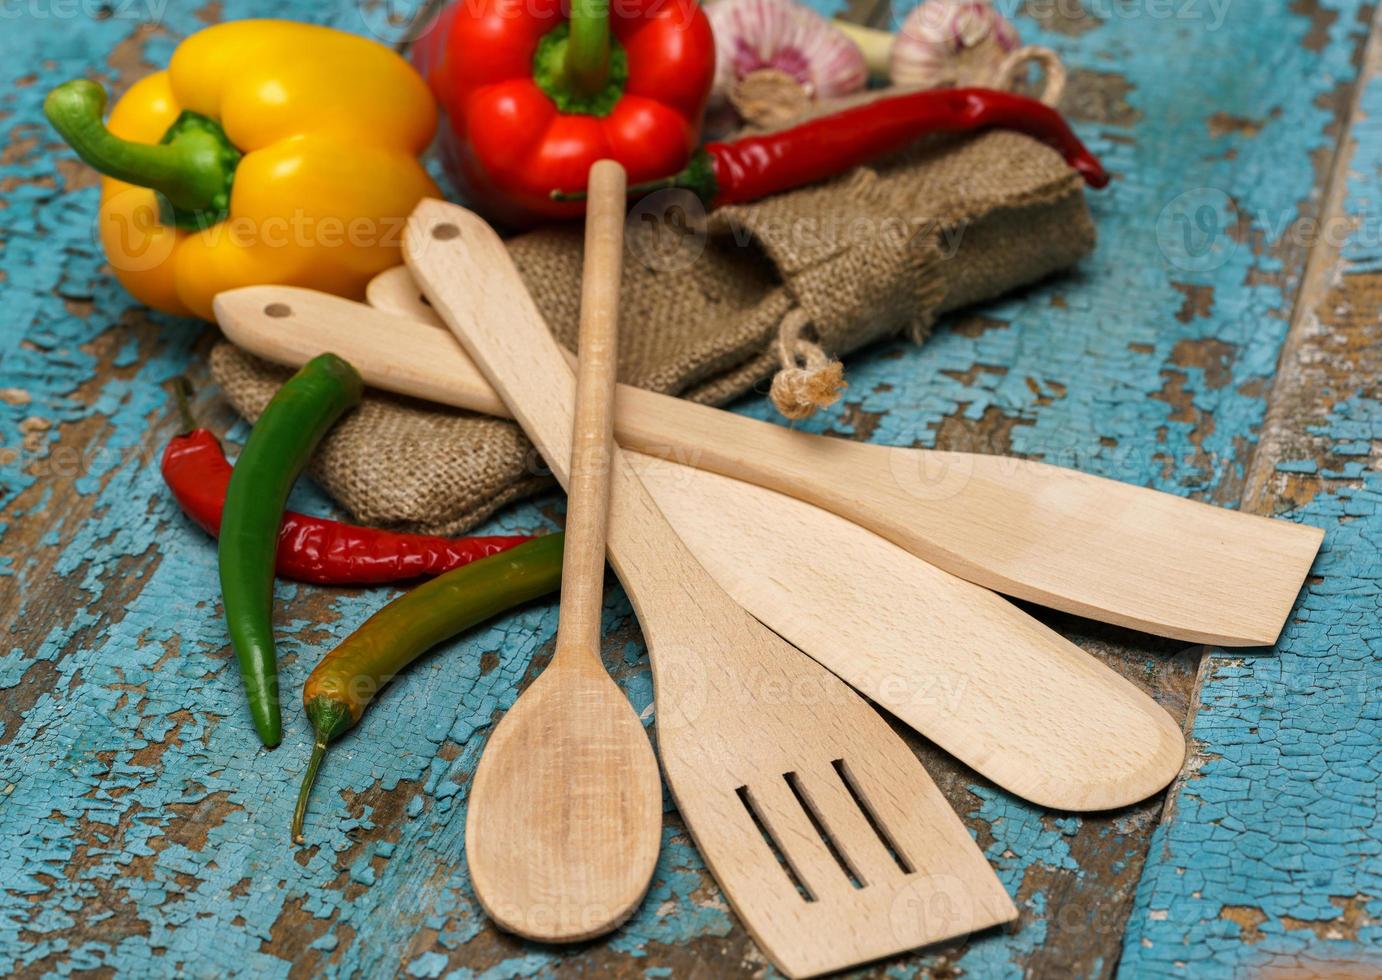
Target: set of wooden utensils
(774, 574)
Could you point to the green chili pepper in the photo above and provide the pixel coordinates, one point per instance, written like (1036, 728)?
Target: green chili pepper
(348, 678)
(279, 446)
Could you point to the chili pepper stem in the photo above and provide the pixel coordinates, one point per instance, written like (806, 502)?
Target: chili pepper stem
(329, 718)
(182, 391)
(698, 177)
(192, 168)
(587, 47)
(310, 777)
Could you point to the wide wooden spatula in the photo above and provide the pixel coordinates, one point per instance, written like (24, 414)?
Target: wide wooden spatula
(566, 808)
(822, 828)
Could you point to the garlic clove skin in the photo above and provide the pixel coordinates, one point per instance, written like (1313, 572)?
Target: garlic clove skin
(753, 35)
(951, 42)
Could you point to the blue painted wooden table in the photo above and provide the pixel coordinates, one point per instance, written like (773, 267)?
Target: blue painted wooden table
(1224, 342)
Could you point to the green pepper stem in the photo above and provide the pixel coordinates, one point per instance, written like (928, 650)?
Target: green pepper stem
(698, 177)
(329, 718)
(192, 168)
(182, 391)
(305, 793)
(587, 48)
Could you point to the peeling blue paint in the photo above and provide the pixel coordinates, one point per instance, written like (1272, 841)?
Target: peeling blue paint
(1283, 821)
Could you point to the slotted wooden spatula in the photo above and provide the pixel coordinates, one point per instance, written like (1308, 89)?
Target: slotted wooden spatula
(822, 828)
(1084, 544)
(565, 813)
(998, 690)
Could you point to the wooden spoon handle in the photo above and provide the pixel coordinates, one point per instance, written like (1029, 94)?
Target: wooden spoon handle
(592, 432)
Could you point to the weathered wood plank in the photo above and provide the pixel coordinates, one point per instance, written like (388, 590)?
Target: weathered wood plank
(1270, 860)
(148, 833)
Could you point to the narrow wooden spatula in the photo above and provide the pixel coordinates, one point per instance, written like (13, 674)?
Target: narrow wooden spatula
(821, 826)
(565, 813)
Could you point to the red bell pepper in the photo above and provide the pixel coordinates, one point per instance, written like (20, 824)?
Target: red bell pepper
(534, 98)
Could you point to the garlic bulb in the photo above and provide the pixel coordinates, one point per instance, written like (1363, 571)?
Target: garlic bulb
(951, 42)
(755, 35)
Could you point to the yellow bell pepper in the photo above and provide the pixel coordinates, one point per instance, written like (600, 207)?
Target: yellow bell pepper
(268, 152)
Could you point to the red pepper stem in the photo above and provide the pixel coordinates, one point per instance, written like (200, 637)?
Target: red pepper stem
(182, 391)
(587, 47)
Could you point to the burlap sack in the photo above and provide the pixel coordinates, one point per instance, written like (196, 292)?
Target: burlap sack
(876, 252)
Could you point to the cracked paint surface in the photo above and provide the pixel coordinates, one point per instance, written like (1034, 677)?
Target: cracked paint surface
(1272, 858)
(145, 831)
(1273, 855)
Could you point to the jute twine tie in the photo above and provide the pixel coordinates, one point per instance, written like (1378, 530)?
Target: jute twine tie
(809, 379)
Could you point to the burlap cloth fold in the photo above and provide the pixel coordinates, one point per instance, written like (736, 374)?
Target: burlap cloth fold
(876, 252)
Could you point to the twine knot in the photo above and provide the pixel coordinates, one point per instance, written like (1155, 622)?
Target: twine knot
(809, 379)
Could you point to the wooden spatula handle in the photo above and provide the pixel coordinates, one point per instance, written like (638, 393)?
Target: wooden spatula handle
(592, 432)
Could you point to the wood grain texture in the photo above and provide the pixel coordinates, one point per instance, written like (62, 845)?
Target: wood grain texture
(565, 812)
(958, 663)
(592, 433)
(770, 758)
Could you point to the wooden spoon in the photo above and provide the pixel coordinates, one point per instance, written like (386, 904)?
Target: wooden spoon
(566, 809)
(822, 828)
(997, 689)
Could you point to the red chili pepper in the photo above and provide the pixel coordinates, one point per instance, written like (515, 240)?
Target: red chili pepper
(534, 100)
(757, 166)
(314, 549)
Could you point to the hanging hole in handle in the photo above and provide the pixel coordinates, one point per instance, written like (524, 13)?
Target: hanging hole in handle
(278, 310)
(445, 232)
